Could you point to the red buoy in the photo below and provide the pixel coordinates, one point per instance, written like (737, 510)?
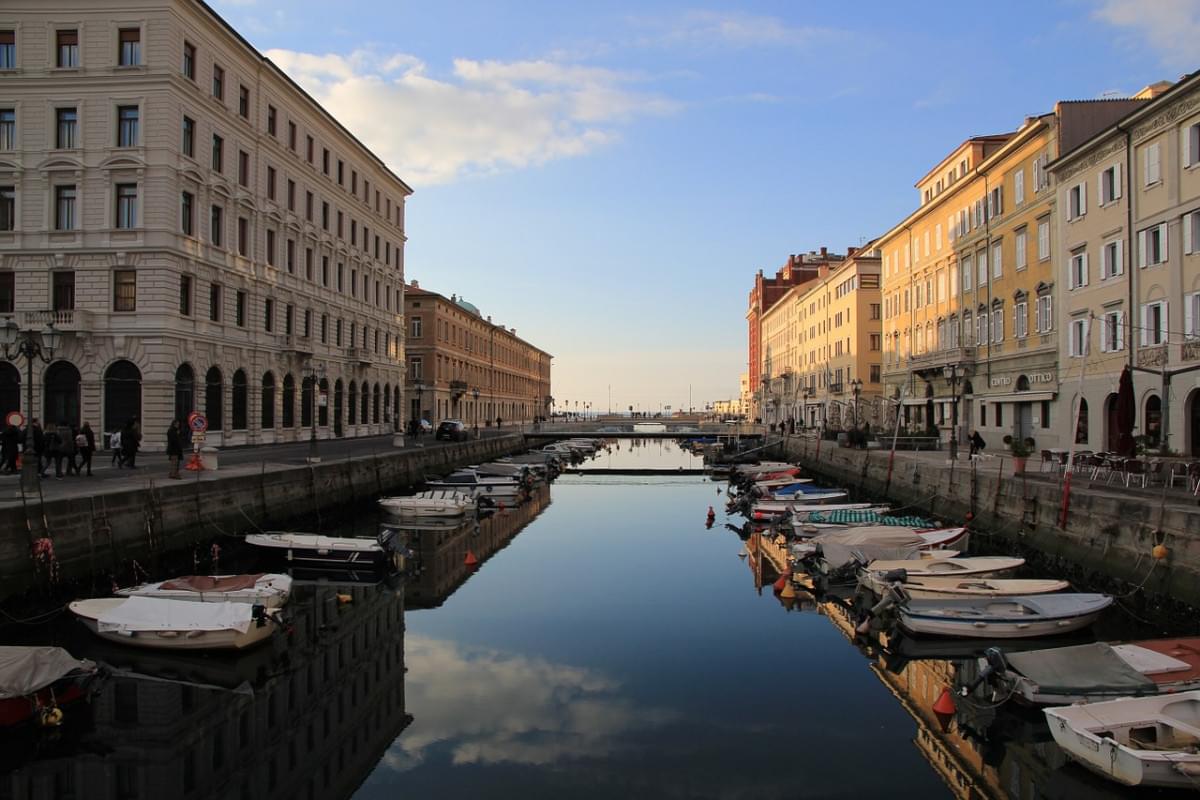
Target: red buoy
(945, 702)
(472, 561)
(970, 516)
(780, 583)
(711, 514)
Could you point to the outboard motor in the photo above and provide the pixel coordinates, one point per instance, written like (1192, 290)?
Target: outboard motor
(895, 576)
(995, 667)
(258, 613)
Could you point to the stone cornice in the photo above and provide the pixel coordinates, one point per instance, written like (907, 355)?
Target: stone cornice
(1085, 163)
(1168, 116)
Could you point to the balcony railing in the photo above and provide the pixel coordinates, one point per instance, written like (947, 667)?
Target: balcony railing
(1152, 356)
(1191, 351)
(458, 388)
(360, 354)
(940, 358)
(67, 320)
(297, 344)
(837, 388)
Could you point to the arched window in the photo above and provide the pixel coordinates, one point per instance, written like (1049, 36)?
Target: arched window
(185, 392)
(396, 402)
(10, 389)
(387, 402)
(1153, 428)
(240, 399)
(122, 394)
(365, 416)
(353, 406)
(62, 394)
(289, 401)
(375, 404)
(323, 407)
(1081, 422)
(268, 402)
(337, 407)
(306, 401)
(214, 398)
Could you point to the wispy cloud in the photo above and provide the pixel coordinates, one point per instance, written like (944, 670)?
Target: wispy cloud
(487, 116)
(1170, 28)
(732, 29)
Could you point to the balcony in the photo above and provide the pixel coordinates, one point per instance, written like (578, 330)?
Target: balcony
(963, 356)
(1191, 351)
(297, 344)
(458, 389)
(837, 388)
(1152, 356)
(71, 320)
(360, 354)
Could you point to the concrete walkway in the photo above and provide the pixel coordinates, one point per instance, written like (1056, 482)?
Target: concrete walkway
(245, 460)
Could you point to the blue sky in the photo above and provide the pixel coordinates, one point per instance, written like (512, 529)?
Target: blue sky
(607, 177)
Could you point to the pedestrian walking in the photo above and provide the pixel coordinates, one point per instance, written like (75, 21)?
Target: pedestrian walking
(54, 449)
(114, 444)
(131, 439)
(8, 448)
(86, 442)
(174, 448)
(70, 448)
(38, 449)
(977, 444)
(498, 421)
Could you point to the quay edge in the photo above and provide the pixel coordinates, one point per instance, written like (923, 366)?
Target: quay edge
(1107, 544)
(103, 532)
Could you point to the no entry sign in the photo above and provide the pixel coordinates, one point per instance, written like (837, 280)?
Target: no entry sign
(15, 418)
(197, 422)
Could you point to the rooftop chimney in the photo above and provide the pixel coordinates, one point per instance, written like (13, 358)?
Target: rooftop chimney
(824, 252)
(415, 285)
(1153, 90)
(851, 251)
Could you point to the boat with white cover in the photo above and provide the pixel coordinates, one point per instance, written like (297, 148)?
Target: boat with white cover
(34, 680)
(875, 575)
(1002, 618)
(319, 551)
(434, 503)
(809, 498)
(933, 587)
(468, 481)
(749, 470)
(1136, 741)
(175, 624)
(836, 551)
(270, 590)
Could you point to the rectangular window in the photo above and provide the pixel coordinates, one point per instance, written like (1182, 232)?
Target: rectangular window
(268, 315)
(1043, 238)
(270, 183)
(308, 206)
(1077, 201)
(308, 263)
(1021, 319)
(124, 290)
(218, 83)
(188, 144)
(67, 129)
(325, 160)
(8, 292)
(271, 247)
(1191, 232)
(127, 126)
(1079, 269)
(325, 270)
(185, 295)
(1019, 186)
(309, 147)
(1110, 184)
(189, 61)
(875, 311)
(218, 153)
(998, 409)
(876, 340)
(243, 168)
(1154, 323)
(997, 260)
(130, 43)
(341, 172)
(324, 215)
(1112, 263)
(291, 257)
(187, 211)
(1191, 144)
(968, 270)
(271, 119)
(216, 221)
(239, 309)
(416, 328)
(127, 196)
(243, 236)
(1191, 315)
(997, 324)
(291, 195)
(1021, 247)
(64, 208)
(981, 273)
(244, 102)
(67, 48)
(8, 50)
(289, 317)
(1112, 334)
(307, 323)
(1152, 246)
(63, 291)
(324, 328)
(8, 208)
(214, 302)
(292, 136)
(8, 129)
(1153, 164)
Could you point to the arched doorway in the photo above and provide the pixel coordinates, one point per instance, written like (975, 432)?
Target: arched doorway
(396, 405)
(185, 392)
(1153, 427)
(62, 394)
(122, 394)
(323, 403)
(239, 400)
(375, 404)
(1112, 432)
(289, 401)
(1193, 421)
(387, 402)
(1081, 422)
(306, 401)
(337, 407)
(268, 402)
(353, 403)
(1023, 416)
(214, 398)
(10, 389)
(365, 416)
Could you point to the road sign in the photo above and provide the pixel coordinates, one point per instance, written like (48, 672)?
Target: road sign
(15, 418)
(197, 422)
(198, 437)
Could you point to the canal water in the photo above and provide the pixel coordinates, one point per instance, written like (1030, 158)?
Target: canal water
(607, 644)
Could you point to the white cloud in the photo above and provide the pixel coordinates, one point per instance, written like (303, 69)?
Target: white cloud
(495, 707)
(1169, 27)
(489, 116)
(735, 29)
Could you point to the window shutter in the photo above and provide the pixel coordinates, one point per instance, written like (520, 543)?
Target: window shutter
(1142, 248)
(1100, 186)
(1162, 243)
(1162, 323)
(1083, 272)
(1145, 337)
(1082, 198)
(1120, 330)
(1188, 222)
(1119, 266)
(1116, 180)
(1189, 314)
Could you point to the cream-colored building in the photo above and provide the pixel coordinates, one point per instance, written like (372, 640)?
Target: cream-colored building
(206, 236)
(1129, 240)
(822, 347)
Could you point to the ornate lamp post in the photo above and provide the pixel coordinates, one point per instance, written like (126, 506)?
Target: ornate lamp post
(951, 373)
(24, 344)
(856, 389)
(314, 371)
(475, 395)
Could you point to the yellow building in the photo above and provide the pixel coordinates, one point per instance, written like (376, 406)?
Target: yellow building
(822, 347)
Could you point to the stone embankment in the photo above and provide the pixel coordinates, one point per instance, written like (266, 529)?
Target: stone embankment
(1109, 539)
(66, 538)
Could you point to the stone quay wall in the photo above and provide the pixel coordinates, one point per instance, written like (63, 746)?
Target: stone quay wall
(103, 532)
(1106, 545)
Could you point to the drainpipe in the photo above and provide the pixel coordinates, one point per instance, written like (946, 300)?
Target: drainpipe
(1128, 257)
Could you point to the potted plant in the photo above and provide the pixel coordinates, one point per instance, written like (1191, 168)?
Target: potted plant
(1021, 450)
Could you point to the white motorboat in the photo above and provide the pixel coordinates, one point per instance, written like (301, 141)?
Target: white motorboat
(270, 590)
(771, 483)
(175, 624)
(503, 468)
(434, 503)
(834, 551)
(498, 488)
(1002, 618)
(317, 550)
(749, 471)
(797, 509)
(876, 576)
(1136, 741)
(932, 588)
(807, 499)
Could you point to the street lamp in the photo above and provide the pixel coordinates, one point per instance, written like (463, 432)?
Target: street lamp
(950, 372)
(315, 372)
(856, 388)
(475, 395)
(19, 343)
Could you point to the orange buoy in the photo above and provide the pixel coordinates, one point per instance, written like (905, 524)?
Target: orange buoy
(779, 584)
(1160, 551)
(470, 559)
(944, 708)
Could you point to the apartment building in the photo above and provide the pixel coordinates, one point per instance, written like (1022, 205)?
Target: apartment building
(205, 236)
(822, 347)
(1129, 238)
(464, 366)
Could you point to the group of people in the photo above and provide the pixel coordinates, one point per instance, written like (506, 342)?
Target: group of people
(67, 447)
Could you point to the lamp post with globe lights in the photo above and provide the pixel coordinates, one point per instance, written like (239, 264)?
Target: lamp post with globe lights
(31, 345)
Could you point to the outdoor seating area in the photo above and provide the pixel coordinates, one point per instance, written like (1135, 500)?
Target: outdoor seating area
(1112, 468)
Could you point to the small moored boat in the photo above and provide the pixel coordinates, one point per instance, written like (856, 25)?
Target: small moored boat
(876, 577)
(175, 624)
(934, 587)
(270, 590)
(434, 503)
(1002, 618)
(35, 680)
(316, 550)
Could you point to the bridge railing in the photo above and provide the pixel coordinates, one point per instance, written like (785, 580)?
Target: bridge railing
(595, 428)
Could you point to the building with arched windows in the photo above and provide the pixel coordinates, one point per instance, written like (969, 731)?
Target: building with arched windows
(202, 232)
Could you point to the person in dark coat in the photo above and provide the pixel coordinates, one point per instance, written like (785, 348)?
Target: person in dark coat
(8, 449)
(977, 443)
(39, 446)
(131, 439)
(174, 448)
(88, 447)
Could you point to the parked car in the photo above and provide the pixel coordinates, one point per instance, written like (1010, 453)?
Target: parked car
(426, 426)
(452, 430)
